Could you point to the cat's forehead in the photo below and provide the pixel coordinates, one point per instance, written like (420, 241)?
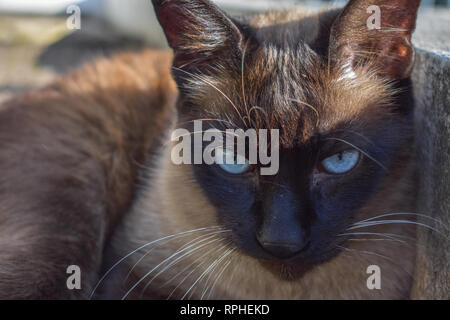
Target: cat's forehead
(293, 89)
(284, 85)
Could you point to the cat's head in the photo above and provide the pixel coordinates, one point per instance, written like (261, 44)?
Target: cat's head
(335, 84)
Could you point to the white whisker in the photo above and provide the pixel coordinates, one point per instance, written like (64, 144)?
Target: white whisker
(387, 235)
(151, 271)
(185, 255)
(405, 213)
(211, 290)
(383, 222)
(207, 270)
(205, 287)
(378, 255)
(170, 237)
(366, 252)
(193, 270)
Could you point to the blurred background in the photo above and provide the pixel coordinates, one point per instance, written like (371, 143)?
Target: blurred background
(40, 39)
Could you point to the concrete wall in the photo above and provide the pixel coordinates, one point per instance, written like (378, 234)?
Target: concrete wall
(432, 88)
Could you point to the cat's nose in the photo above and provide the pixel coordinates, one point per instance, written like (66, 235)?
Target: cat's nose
(282, 250)
(281, 231)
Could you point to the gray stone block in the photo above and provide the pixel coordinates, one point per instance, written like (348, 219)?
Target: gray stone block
(432, 90)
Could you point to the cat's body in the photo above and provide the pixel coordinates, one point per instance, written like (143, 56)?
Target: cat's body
(69, 162)
(96, 173)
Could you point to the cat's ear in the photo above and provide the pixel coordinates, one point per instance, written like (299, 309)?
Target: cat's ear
(197, 30)
(377, 32)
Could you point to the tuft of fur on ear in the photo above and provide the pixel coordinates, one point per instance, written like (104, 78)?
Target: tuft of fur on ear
(356, 41)
(197, 30)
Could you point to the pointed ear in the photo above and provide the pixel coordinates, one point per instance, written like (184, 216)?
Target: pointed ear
(377, 32)
(197, 31)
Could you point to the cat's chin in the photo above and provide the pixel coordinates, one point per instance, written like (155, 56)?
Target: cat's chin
(295, 269)
(286, 271)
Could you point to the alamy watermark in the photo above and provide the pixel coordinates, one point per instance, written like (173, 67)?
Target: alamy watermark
(74, 280)
(263, 147)
(374, 280)
(374, 21)
(73, 22)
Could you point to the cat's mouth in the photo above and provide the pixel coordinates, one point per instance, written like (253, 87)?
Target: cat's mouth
(286, 271)
(295, 268)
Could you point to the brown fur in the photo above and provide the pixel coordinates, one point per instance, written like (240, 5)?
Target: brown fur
(71, 154)
(69, 159)
(342, 278)
(173, 203)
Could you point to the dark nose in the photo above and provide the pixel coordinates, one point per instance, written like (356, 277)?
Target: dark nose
(281, 231)
(282, 250)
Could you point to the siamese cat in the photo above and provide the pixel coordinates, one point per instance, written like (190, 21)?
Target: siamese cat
(87, 177)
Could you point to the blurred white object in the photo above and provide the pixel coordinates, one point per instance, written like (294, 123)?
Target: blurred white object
(136, 17)
(43, 7)
(133, 18)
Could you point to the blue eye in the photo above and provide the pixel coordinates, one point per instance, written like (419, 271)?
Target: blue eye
(341, 162)
(229, 162)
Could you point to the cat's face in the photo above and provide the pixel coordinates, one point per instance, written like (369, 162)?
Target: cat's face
(342, 126)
